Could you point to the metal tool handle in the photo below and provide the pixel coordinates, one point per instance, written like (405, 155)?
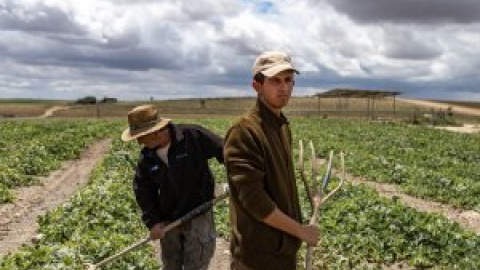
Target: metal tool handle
(195, 212)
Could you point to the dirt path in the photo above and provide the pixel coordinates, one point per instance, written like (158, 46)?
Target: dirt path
(18, 219)
(466, 128)
(49, 112)
(221, 258)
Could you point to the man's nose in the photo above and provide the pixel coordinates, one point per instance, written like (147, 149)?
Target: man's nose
(285, 84)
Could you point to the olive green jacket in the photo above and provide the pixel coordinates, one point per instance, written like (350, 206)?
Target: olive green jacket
(258, 158)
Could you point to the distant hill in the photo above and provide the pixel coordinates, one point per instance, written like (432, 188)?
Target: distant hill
(31, 100)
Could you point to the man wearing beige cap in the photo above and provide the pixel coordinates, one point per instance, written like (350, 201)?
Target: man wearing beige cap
(265, 215)
(172, 178)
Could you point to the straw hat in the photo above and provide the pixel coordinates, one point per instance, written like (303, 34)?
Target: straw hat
(143, 120)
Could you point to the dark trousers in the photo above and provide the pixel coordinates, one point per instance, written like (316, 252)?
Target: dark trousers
(190, 246)
(237, 265)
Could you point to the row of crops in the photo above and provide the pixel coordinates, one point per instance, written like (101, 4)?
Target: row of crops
(360, 229)
(438, 165)
(29, 149)
(101, 218)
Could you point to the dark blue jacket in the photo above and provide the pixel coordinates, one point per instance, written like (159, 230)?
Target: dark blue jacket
(165, 193)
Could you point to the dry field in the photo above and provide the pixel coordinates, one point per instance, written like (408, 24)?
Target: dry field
(380, 108)
(467, 104)
(8, 110)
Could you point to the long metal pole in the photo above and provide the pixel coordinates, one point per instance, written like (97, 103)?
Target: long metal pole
(195, 212)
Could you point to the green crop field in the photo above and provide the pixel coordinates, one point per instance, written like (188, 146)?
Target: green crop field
(33, 148)
(359, 228)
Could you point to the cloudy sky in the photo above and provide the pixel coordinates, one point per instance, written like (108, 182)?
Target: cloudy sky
(137, 49)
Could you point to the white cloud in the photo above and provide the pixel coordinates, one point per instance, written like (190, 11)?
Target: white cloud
(134, 49)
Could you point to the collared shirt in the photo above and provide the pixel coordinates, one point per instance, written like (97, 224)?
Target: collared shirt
(163, 153)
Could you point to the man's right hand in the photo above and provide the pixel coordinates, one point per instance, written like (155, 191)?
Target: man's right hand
(156, 232)
(307, 233)
(310, 234)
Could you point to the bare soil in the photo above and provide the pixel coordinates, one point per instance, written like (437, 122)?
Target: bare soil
(18, 224)
(443, 106)
(50, 111)
(221, 258)
(466, 128)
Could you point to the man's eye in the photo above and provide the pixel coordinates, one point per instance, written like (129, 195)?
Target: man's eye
(275, 81)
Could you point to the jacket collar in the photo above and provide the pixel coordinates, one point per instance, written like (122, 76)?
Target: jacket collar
(269, 116)
(176, 135)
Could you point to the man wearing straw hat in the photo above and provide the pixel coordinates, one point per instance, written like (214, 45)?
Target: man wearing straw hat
(172, 178)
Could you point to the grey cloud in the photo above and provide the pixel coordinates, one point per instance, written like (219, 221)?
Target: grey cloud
(107, 41)
(405, 11)
(460, 89)
(208, 10)
(411, 51)
(193, 48)
(188, 11)
(128, 59)
(446, 89)
(129, 38)
(56, 24)
(76, 41)
(124, 51)
(60, 42)
(36, 18)
(240, 45)
(130, 2)
(133, 59)
(407, 45)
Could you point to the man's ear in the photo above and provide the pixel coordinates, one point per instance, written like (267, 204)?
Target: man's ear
(256, 85)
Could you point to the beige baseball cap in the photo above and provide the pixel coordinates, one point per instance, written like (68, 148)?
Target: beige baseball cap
(272, 63)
